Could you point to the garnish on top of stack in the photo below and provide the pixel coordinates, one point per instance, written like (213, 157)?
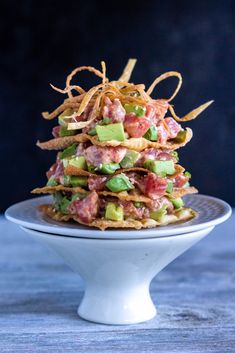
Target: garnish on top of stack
(117, 166)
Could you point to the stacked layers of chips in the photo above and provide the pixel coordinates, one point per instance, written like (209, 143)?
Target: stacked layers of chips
(117, 165)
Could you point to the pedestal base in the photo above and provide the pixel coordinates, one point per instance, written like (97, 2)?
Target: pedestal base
(117, 306)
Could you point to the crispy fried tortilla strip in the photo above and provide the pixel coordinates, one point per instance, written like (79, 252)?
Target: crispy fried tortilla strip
(163, 77)
(79, 69)
(70, 88)
(177, 192)
(136, 144)
(125, 76)
(53, 189)
(180, 192)
(182, 215)
(191, 115)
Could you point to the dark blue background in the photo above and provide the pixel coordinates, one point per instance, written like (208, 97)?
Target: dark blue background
(42, 41)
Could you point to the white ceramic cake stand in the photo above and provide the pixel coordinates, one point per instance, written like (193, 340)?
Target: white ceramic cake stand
(118, 266)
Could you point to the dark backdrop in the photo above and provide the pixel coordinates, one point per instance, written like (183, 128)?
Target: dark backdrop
(41, 41)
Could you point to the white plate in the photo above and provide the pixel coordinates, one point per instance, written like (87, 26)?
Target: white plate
(211, 211)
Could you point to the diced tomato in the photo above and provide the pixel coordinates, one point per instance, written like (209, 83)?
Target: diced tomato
(96, 182)
(87, 208)
(153, 186)
(56, 131)
(136, 126)
(173, 127)
(96, 155)
(113, 110)
(156, 110)
(56, 170)
(180, 180)
(162, 133)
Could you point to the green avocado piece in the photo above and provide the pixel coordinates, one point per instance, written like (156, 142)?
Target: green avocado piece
(65, 113)
(138, 204)
(187, 174)
(113, 212)
(105, 121)
(110, 132)
(136, 109)
(178, 203)
(130, 159)
(119, 183)
(161, 168)
(92, 132)
(175, 155)
(74, 181)
(78, 162)
(169, 187)
(92, 168)
(65, 132)
(78, 196)
(69, 151)
(61, 202)
(181, 136)
(158, 214)
(151, 134)
(51, 182)
(109, 168)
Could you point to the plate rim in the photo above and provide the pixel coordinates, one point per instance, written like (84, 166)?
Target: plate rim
(116, 233)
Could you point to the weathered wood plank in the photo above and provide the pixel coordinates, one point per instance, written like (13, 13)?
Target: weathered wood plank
(39, 295)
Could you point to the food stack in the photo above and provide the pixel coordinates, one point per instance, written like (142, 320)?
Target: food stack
(117, 164)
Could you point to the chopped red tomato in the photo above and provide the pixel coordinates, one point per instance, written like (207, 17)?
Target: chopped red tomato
(136, 126)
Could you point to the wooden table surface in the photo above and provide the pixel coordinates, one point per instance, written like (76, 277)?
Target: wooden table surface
(194, 295)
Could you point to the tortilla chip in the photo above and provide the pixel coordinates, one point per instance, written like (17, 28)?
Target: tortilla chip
(53, 189)
(182, 215)
(177, 192)
(136, 144)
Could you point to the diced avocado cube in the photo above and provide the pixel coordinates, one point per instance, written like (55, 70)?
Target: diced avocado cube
(109, 168)
(61, 119)
(178, 203)
(114, 212)
(74, 180)
(161, 168)
(151, 134)
(105, 121)
(78, 196)
(65, 162)
(61, 202)
(130, 159)
(66, 180)
(175, 155)
(169, 187)
(92, 168)
(186, 185)
(158, 214)
(136, 109)
(78, 162)
(69, 151)
(119, 183)
(111, 132)
(52, 182)
(78, 181)
(92, 132)
(65, 132)
(138, 204)
(187, 174)
(64, 205)
(181, 136)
